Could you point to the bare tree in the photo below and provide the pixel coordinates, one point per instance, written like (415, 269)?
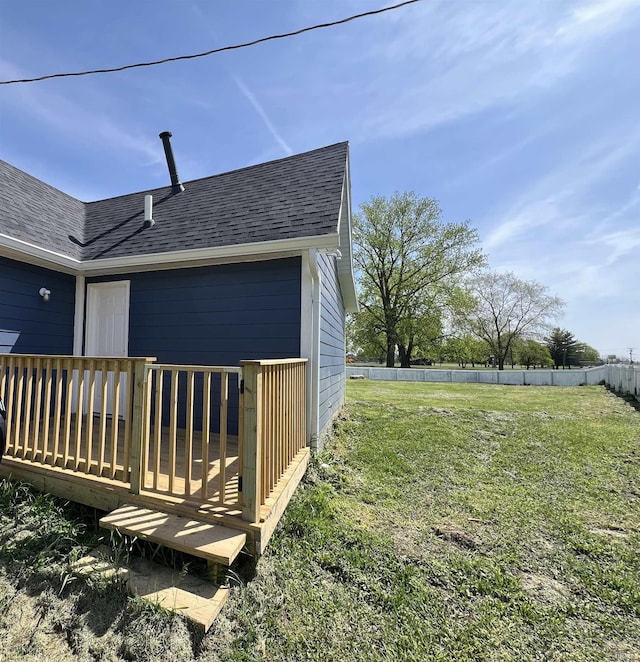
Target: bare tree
(506, 308)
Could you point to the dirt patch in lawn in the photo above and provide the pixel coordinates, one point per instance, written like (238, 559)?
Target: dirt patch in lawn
(545, 589)
(438, 411)
(458, 536)
(609, 531)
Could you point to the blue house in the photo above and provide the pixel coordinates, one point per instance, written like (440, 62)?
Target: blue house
(250, 264)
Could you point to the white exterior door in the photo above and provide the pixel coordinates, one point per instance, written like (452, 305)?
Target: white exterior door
(107, 331)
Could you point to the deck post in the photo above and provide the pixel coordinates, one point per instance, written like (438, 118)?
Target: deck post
(139, 424)
(250, 497)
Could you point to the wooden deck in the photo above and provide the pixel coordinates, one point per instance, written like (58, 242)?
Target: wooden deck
(107, 495)
(146, 446)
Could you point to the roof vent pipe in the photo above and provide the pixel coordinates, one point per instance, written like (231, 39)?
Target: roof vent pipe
(148, 211)
(176, 186)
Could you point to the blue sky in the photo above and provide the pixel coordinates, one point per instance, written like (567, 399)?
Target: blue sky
(519, 116)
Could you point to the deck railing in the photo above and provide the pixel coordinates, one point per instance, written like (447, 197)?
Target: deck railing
(273, 427)
(223, 436)
(71, 412)
(186, 409)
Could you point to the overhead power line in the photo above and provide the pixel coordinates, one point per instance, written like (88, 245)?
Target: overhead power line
(213, 51)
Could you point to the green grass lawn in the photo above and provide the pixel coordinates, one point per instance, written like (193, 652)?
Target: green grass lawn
(443, 522)
(459, 521)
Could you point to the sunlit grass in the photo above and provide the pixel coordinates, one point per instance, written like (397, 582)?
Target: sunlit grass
(443, 522)
(459, 521)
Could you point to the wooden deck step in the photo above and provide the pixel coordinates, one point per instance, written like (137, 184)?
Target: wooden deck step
(213, 542)
(196, 599)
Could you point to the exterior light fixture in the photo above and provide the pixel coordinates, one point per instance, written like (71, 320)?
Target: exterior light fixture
(44, 293)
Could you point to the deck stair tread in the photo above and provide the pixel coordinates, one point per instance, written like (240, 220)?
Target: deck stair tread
(196, 599)
(213, 542)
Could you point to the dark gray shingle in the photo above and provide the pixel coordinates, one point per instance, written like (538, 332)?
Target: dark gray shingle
(298, 196)
(37, 213)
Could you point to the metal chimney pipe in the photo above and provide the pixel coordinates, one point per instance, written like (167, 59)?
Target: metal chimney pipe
(176, 186)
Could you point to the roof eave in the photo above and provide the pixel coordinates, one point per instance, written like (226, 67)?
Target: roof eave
(16, 248)
(183, 258)
(19, 249)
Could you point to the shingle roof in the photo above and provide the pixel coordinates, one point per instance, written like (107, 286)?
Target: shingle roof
(298, 196)
(39, 214)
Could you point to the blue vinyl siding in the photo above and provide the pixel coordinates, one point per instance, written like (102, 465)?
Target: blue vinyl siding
(332, 344)
(216, 315)
(29, 325)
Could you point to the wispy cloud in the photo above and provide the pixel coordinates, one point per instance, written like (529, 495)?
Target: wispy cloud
(204, 23)
(477, 58)
(257, 106)
(559, 196)
(618, 243)
(575, 228)
(630, 209)
(589, 19)
(80, 123)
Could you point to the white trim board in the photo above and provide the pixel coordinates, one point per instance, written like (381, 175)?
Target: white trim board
(308, 339)
(78, 316)
(260, 250)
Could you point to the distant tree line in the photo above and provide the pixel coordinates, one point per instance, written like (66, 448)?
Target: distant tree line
(425, 291)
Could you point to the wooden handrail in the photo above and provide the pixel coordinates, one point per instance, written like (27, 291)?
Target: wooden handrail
(264, 362)
(80, 359)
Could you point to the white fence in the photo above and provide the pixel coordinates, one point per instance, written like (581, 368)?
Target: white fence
(624, 379)
(620, 377)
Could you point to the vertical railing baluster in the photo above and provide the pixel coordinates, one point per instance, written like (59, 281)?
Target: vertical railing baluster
(224, 406)
(146, 441)
(90, 404)
(79, 404)
(173, 428)
(26, 413)
(206, 427)
(37, 453)
(3, 378)
(19, 450)
(188, 434)
(9, 404)
(268, 428)
(128, 416)
(104, 384)
(68, 402)
(115, 423)
(46, 415)
(57, 416)
(240, 435)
